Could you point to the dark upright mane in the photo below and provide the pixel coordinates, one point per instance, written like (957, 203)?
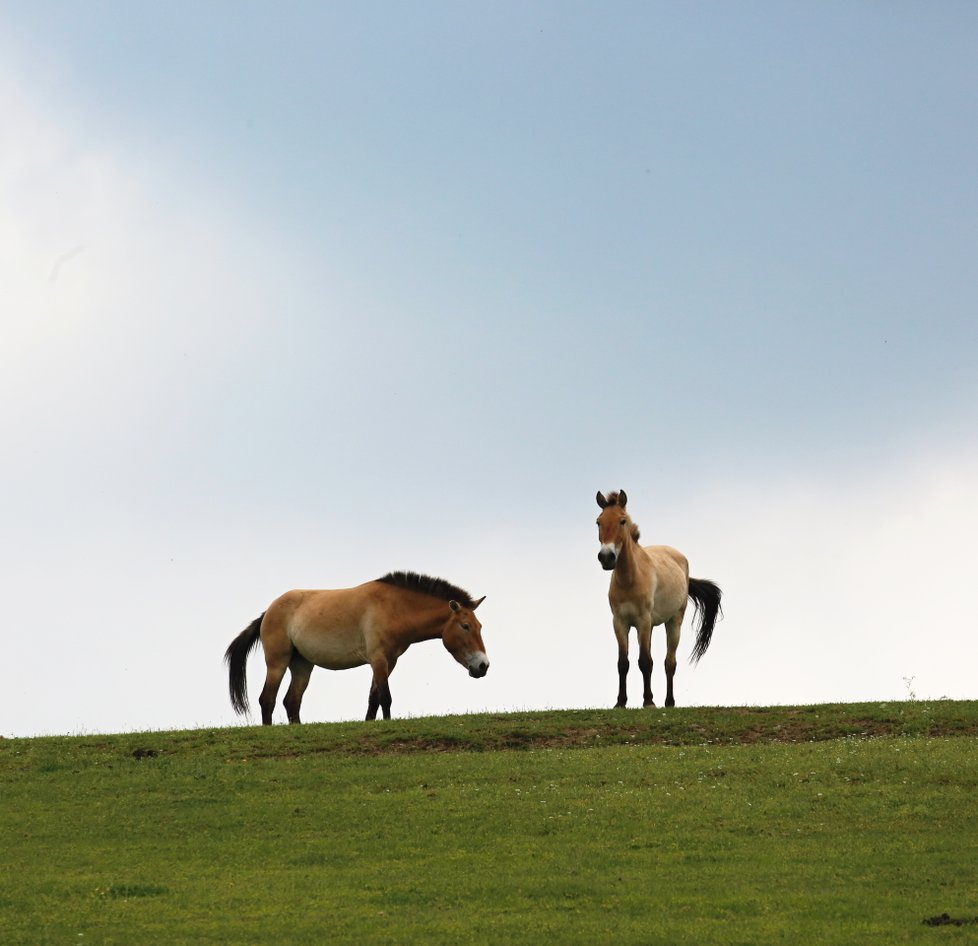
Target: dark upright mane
(426, 585)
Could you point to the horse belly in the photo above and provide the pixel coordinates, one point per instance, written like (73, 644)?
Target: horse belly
(671, 582)
(641, 613)
(333, 649)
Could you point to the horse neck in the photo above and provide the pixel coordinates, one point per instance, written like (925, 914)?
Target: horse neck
(626, 568)
(426, 625)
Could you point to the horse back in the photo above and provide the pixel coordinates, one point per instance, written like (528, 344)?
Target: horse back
(664, 556)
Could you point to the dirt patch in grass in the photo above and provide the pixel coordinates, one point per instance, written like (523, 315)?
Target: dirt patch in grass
(655, 726)
(945, 920)
(746, 729)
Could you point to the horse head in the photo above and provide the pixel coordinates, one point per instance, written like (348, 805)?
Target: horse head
(614, 527)
(462, 638)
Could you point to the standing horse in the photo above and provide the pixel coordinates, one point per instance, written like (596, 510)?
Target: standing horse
(373, 623)
(650, 586)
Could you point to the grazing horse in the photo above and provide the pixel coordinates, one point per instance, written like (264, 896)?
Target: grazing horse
(373, 623)
(650, 585)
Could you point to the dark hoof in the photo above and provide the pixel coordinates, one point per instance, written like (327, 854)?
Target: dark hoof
(649, 703)
(620, 704)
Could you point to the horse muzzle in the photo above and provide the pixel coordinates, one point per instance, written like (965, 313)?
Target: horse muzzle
(607, 557)
(478, 666)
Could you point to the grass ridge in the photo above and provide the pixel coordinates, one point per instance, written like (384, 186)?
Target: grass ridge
(546, 729)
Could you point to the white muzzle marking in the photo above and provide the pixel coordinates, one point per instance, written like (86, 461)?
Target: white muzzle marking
(478, 663)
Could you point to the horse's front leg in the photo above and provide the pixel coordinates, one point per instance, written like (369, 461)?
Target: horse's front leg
(380, 691)
(645, 662)
(373, 701)
(621, 633)
(380, 695)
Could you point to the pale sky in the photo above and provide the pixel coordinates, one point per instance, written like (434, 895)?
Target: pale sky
(292, 295)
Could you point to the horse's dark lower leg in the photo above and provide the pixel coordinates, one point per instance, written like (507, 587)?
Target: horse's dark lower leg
(268, 694)
(292, 707)
(673, 626)
(670, 673)
(380, 699)
(622, 682)
(267, 703)
(645, 665)
(301, 671)
(380, 691)
(373, 703)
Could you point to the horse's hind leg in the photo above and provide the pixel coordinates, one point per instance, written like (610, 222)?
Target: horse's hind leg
(645, 663)
(673, 627)
(273, 680)
(301, 671)
(277, 657)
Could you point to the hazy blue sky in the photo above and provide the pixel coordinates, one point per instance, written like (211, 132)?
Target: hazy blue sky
(295, 294)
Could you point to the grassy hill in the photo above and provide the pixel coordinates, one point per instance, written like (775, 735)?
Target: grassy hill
(825, 824)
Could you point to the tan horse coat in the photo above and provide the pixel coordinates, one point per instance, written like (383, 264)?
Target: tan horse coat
(650, 585)
(373, 623)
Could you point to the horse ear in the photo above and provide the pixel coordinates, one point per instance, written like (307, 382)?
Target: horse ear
(622, 498)
(602, 502)
(476, 604)
(454, 605)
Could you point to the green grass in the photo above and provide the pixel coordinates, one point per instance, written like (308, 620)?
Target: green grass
(841, 824)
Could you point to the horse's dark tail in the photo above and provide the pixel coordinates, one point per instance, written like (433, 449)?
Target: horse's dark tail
(237, 657)
(706, 597)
